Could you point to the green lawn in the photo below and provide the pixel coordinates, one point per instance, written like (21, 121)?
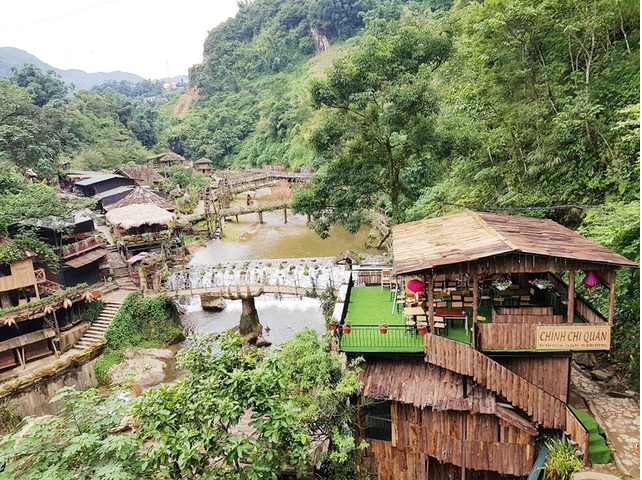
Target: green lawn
(599, 451)
(369, 307)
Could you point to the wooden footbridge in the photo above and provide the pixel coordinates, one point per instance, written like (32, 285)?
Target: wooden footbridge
(218, 197)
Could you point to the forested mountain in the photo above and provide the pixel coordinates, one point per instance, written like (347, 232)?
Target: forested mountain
(15, 58)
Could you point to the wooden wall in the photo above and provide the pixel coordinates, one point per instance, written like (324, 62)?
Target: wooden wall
(548, 373)
(22, 275)
(425, 440)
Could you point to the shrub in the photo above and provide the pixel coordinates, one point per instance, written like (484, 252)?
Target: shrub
(562, 460)
(104, 363)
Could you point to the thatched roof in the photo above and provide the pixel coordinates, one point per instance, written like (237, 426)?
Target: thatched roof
(203, 161)
(169, 157)
(135, 215)
(142, 196)
(141, 173)
(471, 236)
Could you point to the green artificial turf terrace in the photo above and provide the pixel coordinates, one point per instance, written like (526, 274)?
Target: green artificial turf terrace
(599, 452)
(372, 306)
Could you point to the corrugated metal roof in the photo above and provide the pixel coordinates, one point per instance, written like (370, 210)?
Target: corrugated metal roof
(470, 236)
(97, 179)
(87, 258)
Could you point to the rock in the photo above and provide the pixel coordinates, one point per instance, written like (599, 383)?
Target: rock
(143, 371)
(212, 303)
(593, 476)
(601, 375)
(586, 359)
(262, 342)
(149, 353)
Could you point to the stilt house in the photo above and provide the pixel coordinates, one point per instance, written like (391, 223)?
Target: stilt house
(478, 365)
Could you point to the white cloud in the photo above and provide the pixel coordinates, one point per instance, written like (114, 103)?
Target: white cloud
(150, 38)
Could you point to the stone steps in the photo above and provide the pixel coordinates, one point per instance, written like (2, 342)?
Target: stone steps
(96, 332)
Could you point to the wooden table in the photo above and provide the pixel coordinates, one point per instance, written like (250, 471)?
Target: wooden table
(413, 311)
(453, 314)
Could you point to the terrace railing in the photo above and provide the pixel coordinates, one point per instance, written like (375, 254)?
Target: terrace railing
(74, 249)
(369, 339)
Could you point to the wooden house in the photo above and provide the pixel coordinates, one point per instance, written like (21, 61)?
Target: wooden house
(18, 280)
(204, 166)
(143, 228)
(33, 313)
(101, 183)
(166, 160)
(469, 397)
(75, 241)
(142, 196)
(142, 174)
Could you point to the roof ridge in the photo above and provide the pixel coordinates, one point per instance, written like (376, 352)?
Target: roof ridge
(482, 223)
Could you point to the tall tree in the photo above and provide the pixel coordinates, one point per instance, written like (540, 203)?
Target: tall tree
(380, 108)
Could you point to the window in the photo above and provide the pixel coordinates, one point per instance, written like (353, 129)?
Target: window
(378, 421)
(5, 270)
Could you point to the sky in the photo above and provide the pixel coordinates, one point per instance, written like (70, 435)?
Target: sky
(155, 39)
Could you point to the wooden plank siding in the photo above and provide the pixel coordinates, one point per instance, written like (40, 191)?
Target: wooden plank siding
(578, 433)
(22, 275)
(423, 440)
(548, 373)
(542, 407)
(513, 336)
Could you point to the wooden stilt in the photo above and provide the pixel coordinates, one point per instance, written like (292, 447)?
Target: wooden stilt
(570, 312)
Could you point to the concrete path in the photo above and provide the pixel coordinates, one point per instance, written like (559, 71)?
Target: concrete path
(619, 417)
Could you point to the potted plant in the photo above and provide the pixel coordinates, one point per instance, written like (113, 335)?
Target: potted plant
(347, 328)
(541, 283)
(502, 283)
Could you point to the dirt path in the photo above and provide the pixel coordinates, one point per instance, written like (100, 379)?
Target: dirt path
(619, 417)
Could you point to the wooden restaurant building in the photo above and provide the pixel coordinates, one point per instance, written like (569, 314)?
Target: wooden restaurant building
(472, 406)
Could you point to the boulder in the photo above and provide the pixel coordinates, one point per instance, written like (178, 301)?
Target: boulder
(142, 371)
(586, 359)
(601, 375)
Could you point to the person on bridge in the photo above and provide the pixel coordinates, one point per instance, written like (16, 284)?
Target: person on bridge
(249, 200)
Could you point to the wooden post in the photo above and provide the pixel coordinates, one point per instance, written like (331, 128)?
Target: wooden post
(260, 216)
(431, 303)
(611, 280)
(570, 312)
(463, 445)
(475, 309)
(285, 215)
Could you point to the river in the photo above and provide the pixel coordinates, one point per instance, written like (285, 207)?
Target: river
(248, 239)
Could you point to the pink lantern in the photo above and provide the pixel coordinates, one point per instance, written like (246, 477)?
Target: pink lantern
(415, 285)
(590, 280)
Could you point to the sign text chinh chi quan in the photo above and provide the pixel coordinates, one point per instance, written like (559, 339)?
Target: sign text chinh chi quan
(575, 337)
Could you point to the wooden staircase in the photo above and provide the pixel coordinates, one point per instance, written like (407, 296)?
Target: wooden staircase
(541, 406)
(96, 333)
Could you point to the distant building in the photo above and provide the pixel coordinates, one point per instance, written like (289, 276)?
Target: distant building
(204, 166)
(101, 183)
(142, 174)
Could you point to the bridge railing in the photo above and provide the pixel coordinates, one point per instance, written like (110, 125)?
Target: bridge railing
(308, 275)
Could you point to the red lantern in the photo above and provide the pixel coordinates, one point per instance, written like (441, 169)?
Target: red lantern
(590, 280)
(347, 329)
(415, 285)
(383, 329)
(333, 326)
(422, 330)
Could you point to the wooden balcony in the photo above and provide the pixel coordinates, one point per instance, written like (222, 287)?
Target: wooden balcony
(72, 250)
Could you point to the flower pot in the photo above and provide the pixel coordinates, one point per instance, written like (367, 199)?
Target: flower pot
(347, 329)
(383, 329)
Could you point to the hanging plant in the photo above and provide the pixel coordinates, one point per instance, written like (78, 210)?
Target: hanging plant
(541, 283)
(502, 284)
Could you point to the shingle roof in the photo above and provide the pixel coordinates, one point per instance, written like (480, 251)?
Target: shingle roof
(470, 236)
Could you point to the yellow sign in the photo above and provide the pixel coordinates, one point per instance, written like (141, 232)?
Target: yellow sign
(573, 337)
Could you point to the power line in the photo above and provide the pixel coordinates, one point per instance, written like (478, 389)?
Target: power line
(62, 15)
